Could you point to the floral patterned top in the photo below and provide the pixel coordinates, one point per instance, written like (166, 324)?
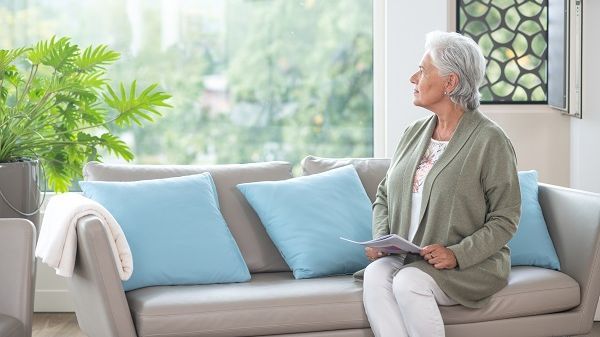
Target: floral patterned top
(432, 154)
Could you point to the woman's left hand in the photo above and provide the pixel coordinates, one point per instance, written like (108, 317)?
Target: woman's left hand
(439, 256)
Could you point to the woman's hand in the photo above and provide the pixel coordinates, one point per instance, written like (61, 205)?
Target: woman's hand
(373, 254)
(439, 256)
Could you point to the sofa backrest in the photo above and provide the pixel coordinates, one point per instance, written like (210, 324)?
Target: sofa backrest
(370, 170)
(258, 250)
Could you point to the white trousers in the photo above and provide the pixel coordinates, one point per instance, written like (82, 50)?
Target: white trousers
(405, 304)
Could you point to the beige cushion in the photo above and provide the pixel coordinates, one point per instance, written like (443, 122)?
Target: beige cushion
(271, 303)
(530, 291)
(370, 170)
(276, 303)
(257, 248)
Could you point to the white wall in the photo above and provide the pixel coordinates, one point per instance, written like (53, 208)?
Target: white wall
(541, 137)
(585, 133)
(405, 39)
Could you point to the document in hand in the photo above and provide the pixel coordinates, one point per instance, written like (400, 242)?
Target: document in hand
(390, 243)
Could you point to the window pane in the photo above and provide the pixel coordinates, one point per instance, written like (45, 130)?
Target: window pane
(513, 36)
(251, 80)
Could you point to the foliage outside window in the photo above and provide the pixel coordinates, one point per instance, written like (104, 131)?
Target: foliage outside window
(513, 35)
(251, 80)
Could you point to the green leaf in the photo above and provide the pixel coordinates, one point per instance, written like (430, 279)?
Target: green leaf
(92, 113)
(90, 80)
(13, 77)
(57, 171)
(81, 87)
(131, 108)
(58, 54)
(93, 59)
(39, 51)
(8, 56)
(3, 94)
(116, 146)
(83, 137)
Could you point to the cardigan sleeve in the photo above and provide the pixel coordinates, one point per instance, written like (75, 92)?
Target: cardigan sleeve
(380, 211)
(500, 185)
(381, 224)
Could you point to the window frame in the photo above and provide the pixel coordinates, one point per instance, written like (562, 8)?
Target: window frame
(379, 78)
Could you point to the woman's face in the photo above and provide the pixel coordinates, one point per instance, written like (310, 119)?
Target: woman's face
(429, 85)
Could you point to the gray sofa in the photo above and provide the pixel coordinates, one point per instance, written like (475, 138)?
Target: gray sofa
(537, 302)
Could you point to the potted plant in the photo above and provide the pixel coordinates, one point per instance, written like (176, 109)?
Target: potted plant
(56, 106)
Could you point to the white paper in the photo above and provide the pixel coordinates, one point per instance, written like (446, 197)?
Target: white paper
(390, 243)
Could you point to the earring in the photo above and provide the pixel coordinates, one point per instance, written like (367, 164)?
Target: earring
(445, 93)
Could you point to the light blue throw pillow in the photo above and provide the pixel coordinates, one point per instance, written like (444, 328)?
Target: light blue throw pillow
(532, 245)
(306, 216)
(174, 228)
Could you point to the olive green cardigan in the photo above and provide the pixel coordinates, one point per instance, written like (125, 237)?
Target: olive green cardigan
(471, 204)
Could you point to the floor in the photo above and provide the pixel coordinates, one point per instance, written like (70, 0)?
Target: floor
(65, 325)
(56, 325)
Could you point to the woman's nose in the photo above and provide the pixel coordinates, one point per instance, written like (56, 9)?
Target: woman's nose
(413, 78)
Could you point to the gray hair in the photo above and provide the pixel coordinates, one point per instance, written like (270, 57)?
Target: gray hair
(455, 53)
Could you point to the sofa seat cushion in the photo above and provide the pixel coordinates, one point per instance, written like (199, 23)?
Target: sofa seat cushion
(530, 291)
(11, 327)
(276, 303)
(271, 303)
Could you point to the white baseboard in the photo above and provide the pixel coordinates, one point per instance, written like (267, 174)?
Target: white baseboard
(51, 292)
(53, 301)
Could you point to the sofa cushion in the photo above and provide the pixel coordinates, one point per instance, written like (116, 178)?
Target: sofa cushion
(175, 230)
(530, 291)
(531, 245)
(276, 303)
(271, 303)
(306, 216)
(370, 170)
(257, 249)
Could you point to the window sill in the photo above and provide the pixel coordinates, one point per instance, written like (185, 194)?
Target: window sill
(518, 108)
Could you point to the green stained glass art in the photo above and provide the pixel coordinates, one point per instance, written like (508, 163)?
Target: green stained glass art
(513, 36)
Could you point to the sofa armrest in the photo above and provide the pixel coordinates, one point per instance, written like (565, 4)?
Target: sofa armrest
(573, 219)
(97, 291)
(17, 263)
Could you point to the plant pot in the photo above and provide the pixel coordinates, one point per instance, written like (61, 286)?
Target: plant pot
(20, 194)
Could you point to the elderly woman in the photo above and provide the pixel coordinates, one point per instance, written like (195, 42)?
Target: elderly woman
(452, 188)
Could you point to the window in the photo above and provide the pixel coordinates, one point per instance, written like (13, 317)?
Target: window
(251, 80)
(513, 36)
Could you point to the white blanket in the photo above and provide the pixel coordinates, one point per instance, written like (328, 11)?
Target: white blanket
(57, 243)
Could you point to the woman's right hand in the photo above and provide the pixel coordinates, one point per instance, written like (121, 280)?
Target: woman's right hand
(373, 253)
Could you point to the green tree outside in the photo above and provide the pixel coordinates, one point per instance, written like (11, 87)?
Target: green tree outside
(252, 80)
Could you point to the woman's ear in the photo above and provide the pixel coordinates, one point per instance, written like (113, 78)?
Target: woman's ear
(451, 82)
